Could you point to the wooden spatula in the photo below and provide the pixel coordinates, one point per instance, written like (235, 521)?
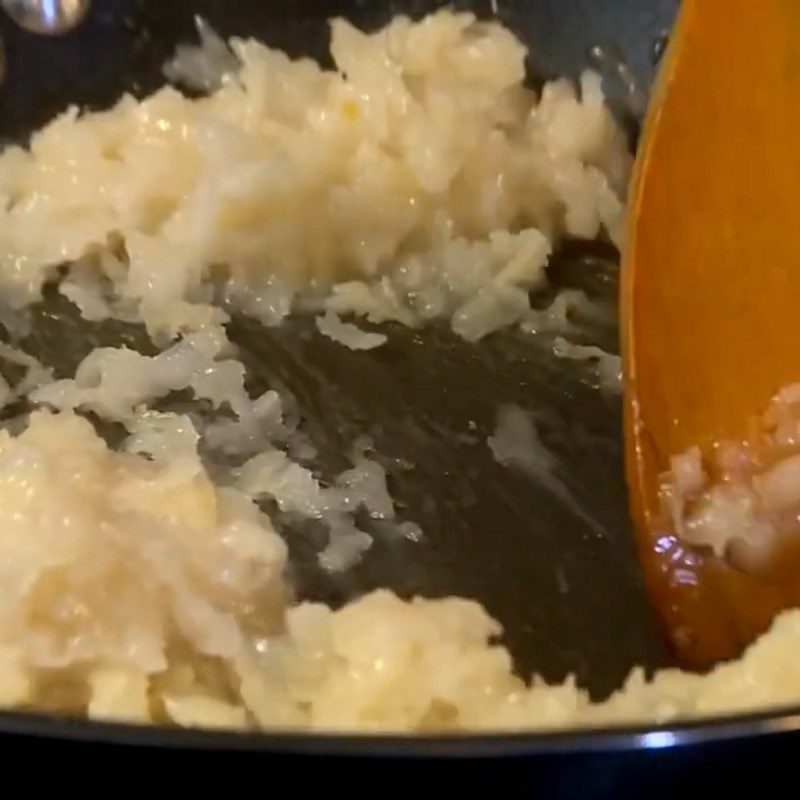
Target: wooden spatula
(711, 292)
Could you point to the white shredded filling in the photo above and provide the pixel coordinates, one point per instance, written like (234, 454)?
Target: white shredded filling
(330, 325)
(607, 366)
(516, 443)
(743, 502)
(418, 180)
(35, 374)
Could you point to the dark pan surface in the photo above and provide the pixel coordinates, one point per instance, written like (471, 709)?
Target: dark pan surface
(567, 592)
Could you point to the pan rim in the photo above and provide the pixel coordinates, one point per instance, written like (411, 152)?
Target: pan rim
(482, 744)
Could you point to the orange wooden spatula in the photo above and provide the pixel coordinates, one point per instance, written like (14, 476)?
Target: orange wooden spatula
(711, 292)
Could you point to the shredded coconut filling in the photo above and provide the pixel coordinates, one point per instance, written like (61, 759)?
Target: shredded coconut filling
(417, 180)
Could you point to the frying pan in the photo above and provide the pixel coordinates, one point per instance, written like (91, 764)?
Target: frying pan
(561, 577)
